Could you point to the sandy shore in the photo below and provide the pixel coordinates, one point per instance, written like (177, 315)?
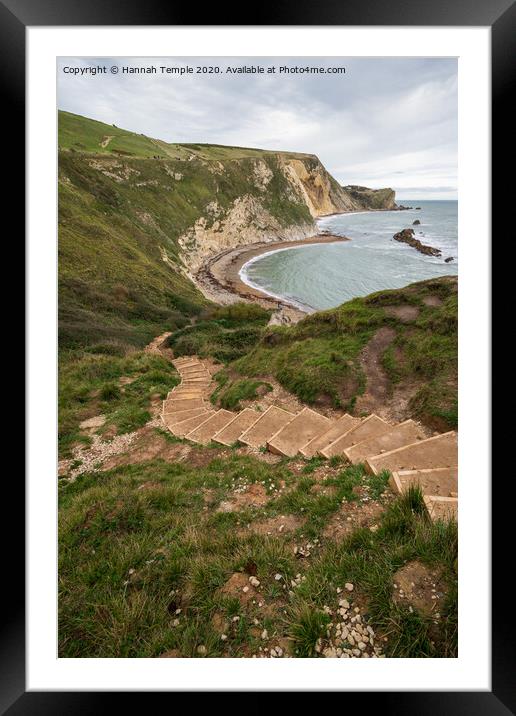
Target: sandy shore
(219, 276)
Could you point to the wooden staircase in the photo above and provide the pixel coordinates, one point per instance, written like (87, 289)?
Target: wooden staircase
(401, 449)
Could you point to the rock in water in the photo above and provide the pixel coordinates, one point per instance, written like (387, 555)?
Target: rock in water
(407, 236)
(414, 223)
(447, 261)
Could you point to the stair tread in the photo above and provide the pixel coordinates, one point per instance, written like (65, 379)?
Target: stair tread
(439, 481)
(272, 420)
(183, 404)
(442, 508)
(204, 432)
(305, 426)
(399, 435)
(182, 362)
(339, 427)
(179, 416)
(371, 426)
(184, 394)
(183, 428)
(438, 451)
(234, 429)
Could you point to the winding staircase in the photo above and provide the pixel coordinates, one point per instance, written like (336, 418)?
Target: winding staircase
(400, 448)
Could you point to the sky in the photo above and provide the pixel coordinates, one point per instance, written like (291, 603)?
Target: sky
(385, 122)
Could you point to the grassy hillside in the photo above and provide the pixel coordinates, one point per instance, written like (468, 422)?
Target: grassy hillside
(319, 359)
(88, 135)
(121, 213)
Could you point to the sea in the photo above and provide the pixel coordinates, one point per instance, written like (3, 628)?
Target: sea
(319, 276)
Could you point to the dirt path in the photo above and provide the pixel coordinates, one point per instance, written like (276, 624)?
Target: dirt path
(156, 346)
(374, 400)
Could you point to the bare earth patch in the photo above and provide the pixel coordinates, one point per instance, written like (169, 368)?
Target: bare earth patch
(149, 445)
(254, 496)
(276, 525)
(239, 586)
(93, 423)
(267, 457)
(404, 313)
(419, 586)
(172, 654)
(433, 301)
(351, 516)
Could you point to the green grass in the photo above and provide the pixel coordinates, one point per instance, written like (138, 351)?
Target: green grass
(244, 389)
(81, 134)
(129, 558)
(225, 333)
(89, 385)
(318, 359)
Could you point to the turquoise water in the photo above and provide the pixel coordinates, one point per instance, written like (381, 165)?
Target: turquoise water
(325, 275)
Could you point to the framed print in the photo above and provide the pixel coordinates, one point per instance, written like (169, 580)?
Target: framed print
(249, 345)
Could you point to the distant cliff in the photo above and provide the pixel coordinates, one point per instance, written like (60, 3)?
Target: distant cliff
(138, 216)
(372, 198)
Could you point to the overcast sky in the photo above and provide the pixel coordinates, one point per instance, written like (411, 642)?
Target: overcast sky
(385, 122)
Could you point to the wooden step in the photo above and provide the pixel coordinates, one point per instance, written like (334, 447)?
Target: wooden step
(182, 429)
(229, 435)
(185, 393)
(187, 404)
(304, 427)
(186, 396)
(186, 360)
(368, 428)
(339, 427)
(178, 417)
(195, 373)
(440, 481)
(272, 420)
(192, 368)
(442, 508)
(204, 432)
(196, 381)
(182, 388)
(439, 451)
(182, 362)
(399, 435)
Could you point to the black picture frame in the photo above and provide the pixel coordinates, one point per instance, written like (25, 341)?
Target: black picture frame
(15, 17)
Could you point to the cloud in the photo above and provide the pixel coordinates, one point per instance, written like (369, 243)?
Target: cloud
(385, 122)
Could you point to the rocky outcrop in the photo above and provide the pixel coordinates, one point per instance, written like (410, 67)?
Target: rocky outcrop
(373, 199)
(246, 221)
(321, 193)
(407, 237)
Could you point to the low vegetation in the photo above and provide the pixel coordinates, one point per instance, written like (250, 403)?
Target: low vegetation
(146, 557)
(118, 387)
(224, 333)
(319, 358)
